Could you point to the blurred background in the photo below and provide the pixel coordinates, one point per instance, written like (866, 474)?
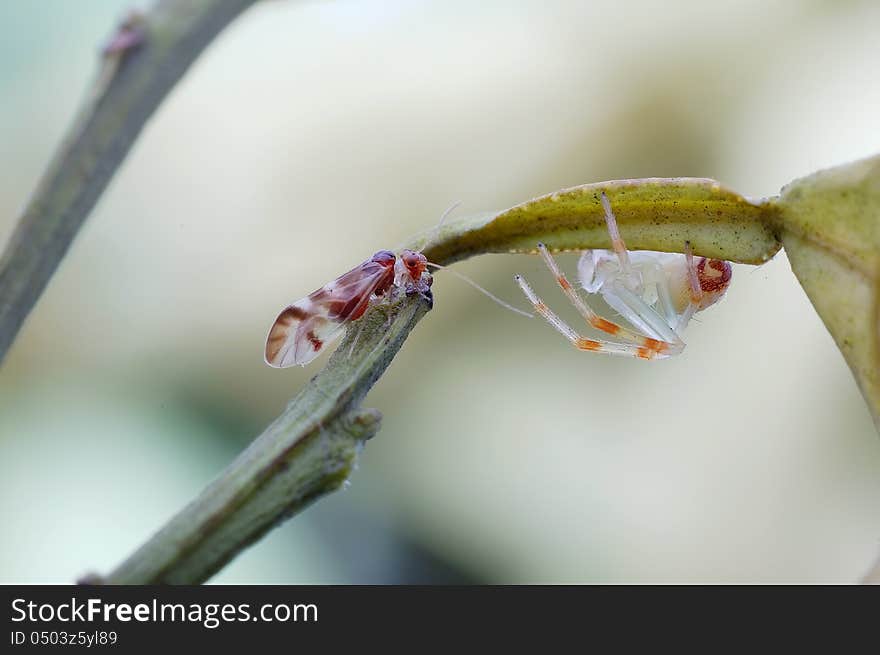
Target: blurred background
(311, 134)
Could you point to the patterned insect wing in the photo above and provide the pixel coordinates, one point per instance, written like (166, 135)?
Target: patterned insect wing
(303, 329)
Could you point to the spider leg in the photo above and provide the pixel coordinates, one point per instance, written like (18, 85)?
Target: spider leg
(638, 312)
(616, 240)
(696, 291)
(650, 348)
(655, 275)
(589, 315)
(630, 305)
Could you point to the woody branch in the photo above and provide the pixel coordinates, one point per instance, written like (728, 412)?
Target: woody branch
(140, 68)
(308, 451)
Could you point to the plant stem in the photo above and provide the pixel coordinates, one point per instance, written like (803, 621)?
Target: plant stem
(129, 87)
(308, 451)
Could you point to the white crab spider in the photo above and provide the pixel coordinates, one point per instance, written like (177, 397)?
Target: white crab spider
(656, 293)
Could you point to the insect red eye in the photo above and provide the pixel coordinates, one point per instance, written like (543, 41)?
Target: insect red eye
(414, 262)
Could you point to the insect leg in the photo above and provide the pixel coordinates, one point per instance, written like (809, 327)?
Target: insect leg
(354, 340)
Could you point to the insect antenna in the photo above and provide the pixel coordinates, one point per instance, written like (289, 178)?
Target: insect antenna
(485, 292)
(446, 214)
(428, 237)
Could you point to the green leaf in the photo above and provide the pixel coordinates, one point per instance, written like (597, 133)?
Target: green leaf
(654, 214)
(831, 231)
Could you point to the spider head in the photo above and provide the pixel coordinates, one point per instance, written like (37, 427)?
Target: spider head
(714, 276)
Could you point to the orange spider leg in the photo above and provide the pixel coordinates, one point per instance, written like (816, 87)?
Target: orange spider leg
(591, 317)
(647, 349)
